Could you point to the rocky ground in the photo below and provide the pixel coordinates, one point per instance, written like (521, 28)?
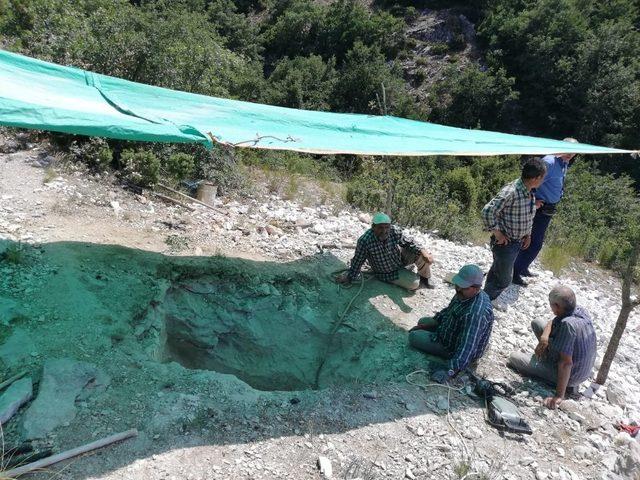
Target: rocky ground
(217, 335)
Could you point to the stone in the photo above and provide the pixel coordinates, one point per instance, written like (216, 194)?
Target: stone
(409, 474)
(628, 462)
(324, 465)
(15, 352)
(63, 382)
(442, 403)
(616, 394)
(16, 395)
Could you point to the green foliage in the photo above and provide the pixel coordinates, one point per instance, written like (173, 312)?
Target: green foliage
(473, 98)
(140, 167)
(93, 152)
(302, 82)
(180, 165)
(360, 85)
(596, 215)
(575, 64)
(462, 187)
(414, 191)
(221, 167)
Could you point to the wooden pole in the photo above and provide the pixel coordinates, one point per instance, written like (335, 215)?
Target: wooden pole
(45, 462)
(173, 200)
(191, 199)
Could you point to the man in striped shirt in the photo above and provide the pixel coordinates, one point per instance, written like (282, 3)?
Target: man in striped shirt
(509, 218)
(566, 348)
(459, 333)
(388, 252)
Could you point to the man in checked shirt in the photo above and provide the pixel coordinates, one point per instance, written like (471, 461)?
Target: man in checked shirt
(388, 253)
(460, 332)
(509, 218)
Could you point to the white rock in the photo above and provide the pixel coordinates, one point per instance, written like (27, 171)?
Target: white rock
(324, 465)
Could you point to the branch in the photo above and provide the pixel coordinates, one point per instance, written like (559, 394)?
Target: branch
(254, 142)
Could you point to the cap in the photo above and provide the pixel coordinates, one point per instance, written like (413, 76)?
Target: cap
(467, 276)
(380, 217)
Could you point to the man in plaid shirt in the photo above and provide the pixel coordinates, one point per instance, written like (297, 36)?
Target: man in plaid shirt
(459, 333)
(509, 218)
(388, 252)
(566, 350)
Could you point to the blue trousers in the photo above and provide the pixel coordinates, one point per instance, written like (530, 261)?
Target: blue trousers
(501, 271)
(526, 257)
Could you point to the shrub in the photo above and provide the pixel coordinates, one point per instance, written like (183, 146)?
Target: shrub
(462, 187)
(180, 165)
(140, 167)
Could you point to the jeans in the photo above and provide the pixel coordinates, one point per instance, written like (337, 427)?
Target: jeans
(501, 272)
(526, 257)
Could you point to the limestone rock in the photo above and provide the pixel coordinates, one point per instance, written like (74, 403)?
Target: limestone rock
(324, 465)
(616, 394)
(63, 381)
(18, 393)
(628, 462)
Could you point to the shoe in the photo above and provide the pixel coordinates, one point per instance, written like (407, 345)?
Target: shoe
(424, 283)
(518, 280)
(528, 273)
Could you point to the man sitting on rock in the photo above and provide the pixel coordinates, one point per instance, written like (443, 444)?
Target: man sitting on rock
(566, 348)
(459, 333)
(388, 252)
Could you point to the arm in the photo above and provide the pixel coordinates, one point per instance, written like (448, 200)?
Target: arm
(564, 372)
(563, 341)
(359, 257)
(492, 210)
(404, 242)
(543, 342)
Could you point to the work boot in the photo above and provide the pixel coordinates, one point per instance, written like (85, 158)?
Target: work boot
(528, 273)
(424, 283)
(518, 280)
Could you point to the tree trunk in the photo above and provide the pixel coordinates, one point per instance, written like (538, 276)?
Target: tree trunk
(627, 307)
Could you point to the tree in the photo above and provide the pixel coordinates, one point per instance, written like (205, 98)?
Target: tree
(628, 304)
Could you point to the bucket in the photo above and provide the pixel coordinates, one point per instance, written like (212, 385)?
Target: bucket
(207, 192)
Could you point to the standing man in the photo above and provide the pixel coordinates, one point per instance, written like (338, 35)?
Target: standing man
(509, 217)
(547, 197)
(566, 348)
(459, 333)
(388, 252)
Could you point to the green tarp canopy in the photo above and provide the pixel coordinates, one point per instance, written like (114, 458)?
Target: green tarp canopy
(46, 96)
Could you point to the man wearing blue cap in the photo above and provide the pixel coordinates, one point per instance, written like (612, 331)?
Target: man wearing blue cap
(459, 333)
(388, 252)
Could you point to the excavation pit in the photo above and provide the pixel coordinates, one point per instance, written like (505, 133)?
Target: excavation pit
(279, 332)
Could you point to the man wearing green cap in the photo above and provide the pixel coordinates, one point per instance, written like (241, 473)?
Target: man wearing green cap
(388, 252)
(459, 333)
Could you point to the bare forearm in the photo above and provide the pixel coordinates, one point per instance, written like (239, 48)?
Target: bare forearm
(546, 332)
(564, 372)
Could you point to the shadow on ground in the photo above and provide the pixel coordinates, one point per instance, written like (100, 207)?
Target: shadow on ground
(203, 351)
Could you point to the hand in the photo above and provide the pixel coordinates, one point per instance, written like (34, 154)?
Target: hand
(526, 241)
(539, 203)
(427, 255)
(440, 376)
(541, 348)
(501, 238)
(343, 278)
(552, 402)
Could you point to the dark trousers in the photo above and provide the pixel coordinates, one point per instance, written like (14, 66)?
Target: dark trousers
(501, 272)
(526, 257)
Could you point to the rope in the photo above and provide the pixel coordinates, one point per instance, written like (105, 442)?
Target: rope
(449, 390)
(338, 324)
